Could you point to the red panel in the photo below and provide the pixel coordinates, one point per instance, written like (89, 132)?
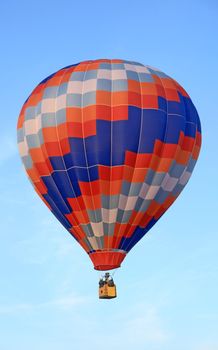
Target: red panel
(172, 95)
(150, 101)
(73, 114)
(89, 128)
(134, 99)
(106, 260)
(103, 112)
(120, 112)
(76, 203)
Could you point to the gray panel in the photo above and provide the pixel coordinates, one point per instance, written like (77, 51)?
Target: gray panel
(48, 119)
(123, 215)
(191, 165)
(154, 178)
(95, 215)
(74, 100)
(139, 204)
(89, 98)
(50, 92)
(132, 75)
(86, 241)
(109, 202)
(135, 63)
(176, 170)
(27, 161)
(62, 89)
(33, 141)
(77, 76)
(118, 66)
(30, 113)
(88, 230)
(134, 189)
(61, 116)
(100, 242)
(145, 77)
(158, 73)
(20, 135)
(176, 191)
(120, 85)
(91, 74)
(104, 84)
(108, 229)
(125, 187)
(161, 196)
(41, 138)
(145, 205)
(38, 108)
(105, 65)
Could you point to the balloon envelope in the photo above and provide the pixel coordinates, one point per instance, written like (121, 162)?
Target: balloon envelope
(108, 145)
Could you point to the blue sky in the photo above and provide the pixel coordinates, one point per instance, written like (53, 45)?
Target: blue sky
(168, 284)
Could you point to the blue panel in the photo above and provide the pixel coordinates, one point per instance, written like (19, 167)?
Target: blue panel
(68, 160)
(63, 183)
(57, 163)
(131, 129)
(76, 189)
(191, 112)
(92, 149)
(63, 220)
(174, 107)
(153, 128)
(190, 129)
(93, 173)
(77, 152)
(162, 103)
(46, 79)
(71, 65)
(103, 136)
(128, 243)
(54, 195)
(175, 124)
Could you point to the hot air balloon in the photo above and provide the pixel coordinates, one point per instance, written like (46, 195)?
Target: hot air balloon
(108, 146)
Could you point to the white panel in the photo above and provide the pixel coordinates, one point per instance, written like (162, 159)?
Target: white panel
(74, 87)
(23, 149)
(104, 74)
(61, 101)
(169, 183)
(152, 192)
(38, 124)
(93, 242)
(127, 203)
(97, 228)
(89, 85)
(119, 74)
(122, 201)
(129, 66)
(109, 215)
(29, 127)
(184, 178)
(142, 69)
(130, 204)
(48, 105)
(144, 190)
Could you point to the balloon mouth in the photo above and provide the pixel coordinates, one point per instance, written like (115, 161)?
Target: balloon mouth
(107, 259)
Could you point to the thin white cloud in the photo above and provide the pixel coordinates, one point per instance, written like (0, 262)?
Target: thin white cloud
(208, 346)
(148, 328)
(8, 147)
(139, 327)
(62, 304)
